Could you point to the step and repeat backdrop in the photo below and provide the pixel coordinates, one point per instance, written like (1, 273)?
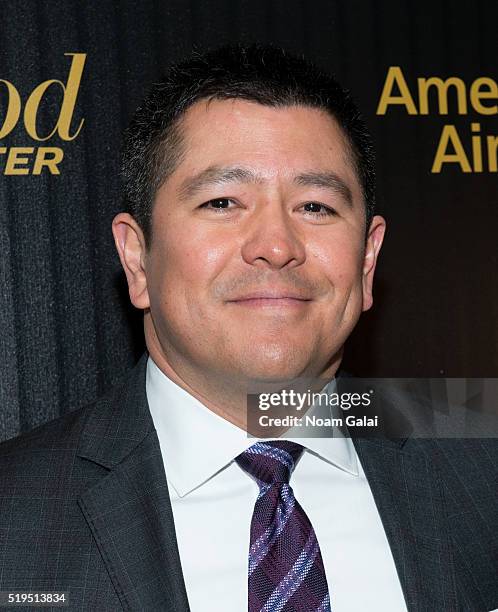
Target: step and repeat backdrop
(71, 75)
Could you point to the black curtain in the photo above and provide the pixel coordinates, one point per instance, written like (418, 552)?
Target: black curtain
(67, 331)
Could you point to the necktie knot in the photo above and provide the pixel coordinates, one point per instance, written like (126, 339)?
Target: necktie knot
(270, 462)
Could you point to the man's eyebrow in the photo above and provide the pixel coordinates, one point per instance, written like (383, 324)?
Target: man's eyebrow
(216, 175)
(326, 180)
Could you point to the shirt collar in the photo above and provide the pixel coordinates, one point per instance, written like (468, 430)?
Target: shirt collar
(196, 443)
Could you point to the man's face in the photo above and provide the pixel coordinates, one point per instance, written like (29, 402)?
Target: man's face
(257, 268)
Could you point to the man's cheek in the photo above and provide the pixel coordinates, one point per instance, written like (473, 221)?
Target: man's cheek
(214, 254)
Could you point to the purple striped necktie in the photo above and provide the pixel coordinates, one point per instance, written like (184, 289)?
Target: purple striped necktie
(286, 572)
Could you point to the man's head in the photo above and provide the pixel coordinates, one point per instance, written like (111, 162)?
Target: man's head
(251, 242)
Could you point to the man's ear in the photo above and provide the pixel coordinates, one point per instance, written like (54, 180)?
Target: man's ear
(130, 243)
(374, 242)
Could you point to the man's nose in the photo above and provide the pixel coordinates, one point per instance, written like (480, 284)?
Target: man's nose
(272, 240)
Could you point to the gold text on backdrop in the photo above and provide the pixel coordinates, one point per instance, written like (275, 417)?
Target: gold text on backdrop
(29, 159)
(482, 154)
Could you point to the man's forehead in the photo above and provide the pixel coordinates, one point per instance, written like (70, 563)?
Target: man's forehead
(227, 110)
(323, 136)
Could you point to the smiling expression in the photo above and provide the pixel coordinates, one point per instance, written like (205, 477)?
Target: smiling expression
(258, 267)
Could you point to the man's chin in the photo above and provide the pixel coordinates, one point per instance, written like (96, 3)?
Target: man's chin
(277, 378)
(268, 371)
(280, 363)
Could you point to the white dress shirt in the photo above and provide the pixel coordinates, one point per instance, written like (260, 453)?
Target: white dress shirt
(213, 500)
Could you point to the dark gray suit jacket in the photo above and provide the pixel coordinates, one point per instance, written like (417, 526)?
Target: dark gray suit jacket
(84, 508)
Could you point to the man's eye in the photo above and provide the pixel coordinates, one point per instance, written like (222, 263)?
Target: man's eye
(318, 210)
(218, 204)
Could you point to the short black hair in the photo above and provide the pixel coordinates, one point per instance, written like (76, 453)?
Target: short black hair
(153, 143)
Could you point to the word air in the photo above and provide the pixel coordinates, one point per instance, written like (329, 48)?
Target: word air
(29, 159)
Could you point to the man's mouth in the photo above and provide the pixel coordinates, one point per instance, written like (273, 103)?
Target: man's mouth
(271, 298)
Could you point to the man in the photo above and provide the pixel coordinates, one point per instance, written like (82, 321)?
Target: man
(251, 244)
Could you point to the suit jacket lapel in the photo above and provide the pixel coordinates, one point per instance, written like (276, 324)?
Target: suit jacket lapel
(128, 510)
(411, 506)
